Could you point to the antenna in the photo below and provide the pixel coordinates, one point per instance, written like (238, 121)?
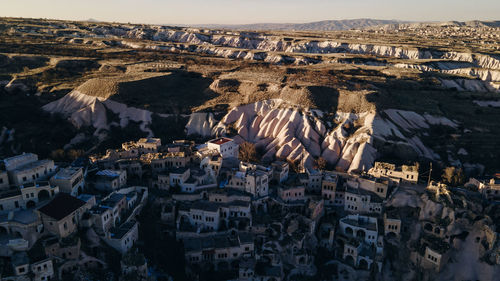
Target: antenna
(430, 172)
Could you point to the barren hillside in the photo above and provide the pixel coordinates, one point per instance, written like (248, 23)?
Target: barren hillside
(351, 97)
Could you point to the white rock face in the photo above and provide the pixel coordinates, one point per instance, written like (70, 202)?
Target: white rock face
(299, 135)
(201, 123)
(83, 110)
(487, 103)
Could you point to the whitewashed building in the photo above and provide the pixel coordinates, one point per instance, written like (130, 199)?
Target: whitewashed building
(226, 147)
(69, 180)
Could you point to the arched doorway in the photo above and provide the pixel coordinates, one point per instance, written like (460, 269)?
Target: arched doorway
(363, 264)
(349, 231)
(391, 235)
(349, 260)
(3, 230)
(360, 234)
(30, 204)
(374, 268)
(340, 243)
(43, 195)
(428, 227)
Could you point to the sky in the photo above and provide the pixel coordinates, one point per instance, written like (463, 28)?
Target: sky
(192, 12)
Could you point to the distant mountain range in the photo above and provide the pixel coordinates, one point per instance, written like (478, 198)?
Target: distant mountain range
(326, 25)
(473, 23)
(332, 25)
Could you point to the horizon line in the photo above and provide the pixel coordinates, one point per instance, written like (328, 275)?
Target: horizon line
(243, 24)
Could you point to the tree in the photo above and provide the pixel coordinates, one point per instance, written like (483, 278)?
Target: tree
(248, 153)
(57, 154)
(294, 166)
(73, 154)
(320, 163)
(453, 176)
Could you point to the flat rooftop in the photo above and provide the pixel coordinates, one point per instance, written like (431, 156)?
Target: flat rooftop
(179, 170)
(359, 191)
(121, 231)
(216, 241)
(14, 160)
(32, 165)
(220, 141)
(109, 173)
(20, 216)
(362, 222)
(10, 193)
(66, 173)
(36, 184)
(113, 199)
(148, 140)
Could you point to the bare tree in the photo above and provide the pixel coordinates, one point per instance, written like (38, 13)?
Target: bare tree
(320, 163)
(248, 153)
(453, 176)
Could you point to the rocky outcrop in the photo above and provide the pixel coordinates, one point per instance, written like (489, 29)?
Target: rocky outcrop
(90, 111)
(259, 47)
(285, 131)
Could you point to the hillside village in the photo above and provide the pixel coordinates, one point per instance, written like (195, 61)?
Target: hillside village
(153, 152)
(206, 211)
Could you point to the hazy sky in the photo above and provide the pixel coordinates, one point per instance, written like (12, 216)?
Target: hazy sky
(251, 11)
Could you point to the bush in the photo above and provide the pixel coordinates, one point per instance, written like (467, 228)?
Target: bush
(68, 155)
(248, 153)
(453, 176)
(320, 163)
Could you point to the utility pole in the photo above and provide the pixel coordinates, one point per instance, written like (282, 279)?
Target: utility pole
(430, 172)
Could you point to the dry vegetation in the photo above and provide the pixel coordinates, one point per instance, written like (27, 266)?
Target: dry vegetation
(44, 56)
